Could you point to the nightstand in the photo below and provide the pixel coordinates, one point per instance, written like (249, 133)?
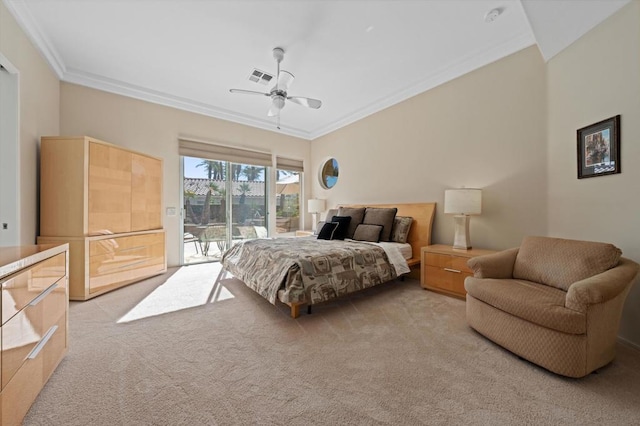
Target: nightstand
(445, 268)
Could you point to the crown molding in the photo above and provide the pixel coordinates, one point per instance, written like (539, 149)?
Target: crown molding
(467, 64)
(25, 20)
(138, 92)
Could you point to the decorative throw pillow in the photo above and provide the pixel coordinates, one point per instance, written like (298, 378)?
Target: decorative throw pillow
(357, 215)
(343, 226)
(401, 228)
(383, 217)
(327, 231)
(366, 232)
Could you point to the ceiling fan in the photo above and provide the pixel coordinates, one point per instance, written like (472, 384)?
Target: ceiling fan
(278, 93)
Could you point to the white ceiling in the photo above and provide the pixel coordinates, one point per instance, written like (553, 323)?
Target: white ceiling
(358, 57)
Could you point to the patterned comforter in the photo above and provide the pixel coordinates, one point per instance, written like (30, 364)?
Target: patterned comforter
(307, 270)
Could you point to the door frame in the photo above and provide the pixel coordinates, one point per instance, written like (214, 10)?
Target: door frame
(10, 149)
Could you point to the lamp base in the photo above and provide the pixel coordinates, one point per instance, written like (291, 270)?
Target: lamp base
(461, 240)
(314, 225)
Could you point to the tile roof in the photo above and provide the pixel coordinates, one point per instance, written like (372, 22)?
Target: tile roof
(200, 186)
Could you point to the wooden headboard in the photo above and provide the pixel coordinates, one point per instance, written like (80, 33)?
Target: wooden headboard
(420, 233)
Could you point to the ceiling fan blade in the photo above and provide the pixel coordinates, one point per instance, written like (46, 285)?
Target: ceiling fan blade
(308, 102)
(284, 80)
(248, 92)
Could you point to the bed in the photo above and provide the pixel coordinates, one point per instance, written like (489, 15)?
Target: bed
(307, 271)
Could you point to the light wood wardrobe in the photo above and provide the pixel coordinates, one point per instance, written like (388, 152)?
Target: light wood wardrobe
(106, 202)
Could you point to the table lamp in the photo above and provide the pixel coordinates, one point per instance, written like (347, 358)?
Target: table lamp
(315, 206)
(462, 203)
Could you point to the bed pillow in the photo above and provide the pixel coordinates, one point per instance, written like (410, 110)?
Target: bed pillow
(383, 217)
(327, 231)
(357, 215)
(330, 213)
(365, 232)
(401, 228)
(319, 226)
(343, 226)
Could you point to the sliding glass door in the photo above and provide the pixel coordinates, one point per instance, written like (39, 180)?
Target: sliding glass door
(287, 202)
(224, 202)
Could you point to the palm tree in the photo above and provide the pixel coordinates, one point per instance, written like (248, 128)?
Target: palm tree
(206, 208)
(236, 171)
(208, 167)
(188, 196)
(252, 173)
(244, 189)
(219, 170)
(214, 169)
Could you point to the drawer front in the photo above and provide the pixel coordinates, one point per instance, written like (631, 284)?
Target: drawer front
(437, 260)
(25, 330)
(134, 258)
(21, 391)
(447, 280)
(458, 263)
(22, 288)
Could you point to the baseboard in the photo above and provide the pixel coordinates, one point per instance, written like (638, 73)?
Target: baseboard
(628, 343)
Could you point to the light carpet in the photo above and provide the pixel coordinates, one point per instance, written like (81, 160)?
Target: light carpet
(180, 350)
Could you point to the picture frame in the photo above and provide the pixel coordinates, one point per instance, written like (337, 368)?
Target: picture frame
(599, 148)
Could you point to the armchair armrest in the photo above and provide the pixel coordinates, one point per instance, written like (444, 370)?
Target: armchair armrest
(602, 287)
(496, 265)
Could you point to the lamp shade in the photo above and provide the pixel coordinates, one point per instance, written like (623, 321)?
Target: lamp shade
(315, 205)
(463, 201)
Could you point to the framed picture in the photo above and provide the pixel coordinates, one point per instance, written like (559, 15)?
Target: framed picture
(599, 148)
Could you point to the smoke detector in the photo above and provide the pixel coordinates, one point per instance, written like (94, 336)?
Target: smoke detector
(492, 15)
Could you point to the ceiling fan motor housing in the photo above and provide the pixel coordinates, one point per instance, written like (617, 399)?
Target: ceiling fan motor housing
(278, 101)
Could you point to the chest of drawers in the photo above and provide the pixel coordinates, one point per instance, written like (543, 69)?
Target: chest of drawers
(34, 296)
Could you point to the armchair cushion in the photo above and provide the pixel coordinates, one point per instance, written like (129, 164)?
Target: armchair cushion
(559, 263)
(537, 303)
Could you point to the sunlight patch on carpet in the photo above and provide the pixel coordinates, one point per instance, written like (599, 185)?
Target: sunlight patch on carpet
(189, 287)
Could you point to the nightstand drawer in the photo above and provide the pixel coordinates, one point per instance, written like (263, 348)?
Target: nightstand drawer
(446, 279)
(447, 261)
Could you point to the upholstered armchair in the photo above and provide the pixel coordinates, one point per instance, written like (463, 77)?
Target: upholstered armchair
(552, 301)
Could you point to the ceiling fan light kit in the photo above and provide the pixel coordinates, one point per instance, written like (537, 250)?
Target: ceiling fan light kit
(278, 93)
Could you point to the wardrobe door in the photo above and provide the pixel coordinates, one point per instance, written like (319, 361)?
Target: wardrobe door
(146, 193)
(109, 190)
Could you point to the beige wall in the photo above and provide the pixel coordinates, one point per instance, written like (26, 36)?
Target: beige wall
(154, 129)
(39, 90)
(486, 129)
(596, 78)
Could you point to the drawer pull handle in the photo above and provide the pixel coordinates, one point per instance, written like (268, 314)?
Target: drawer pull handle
(36, 350)
(44, 294)
(128, 265)
(452, 270)
(131, 249)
